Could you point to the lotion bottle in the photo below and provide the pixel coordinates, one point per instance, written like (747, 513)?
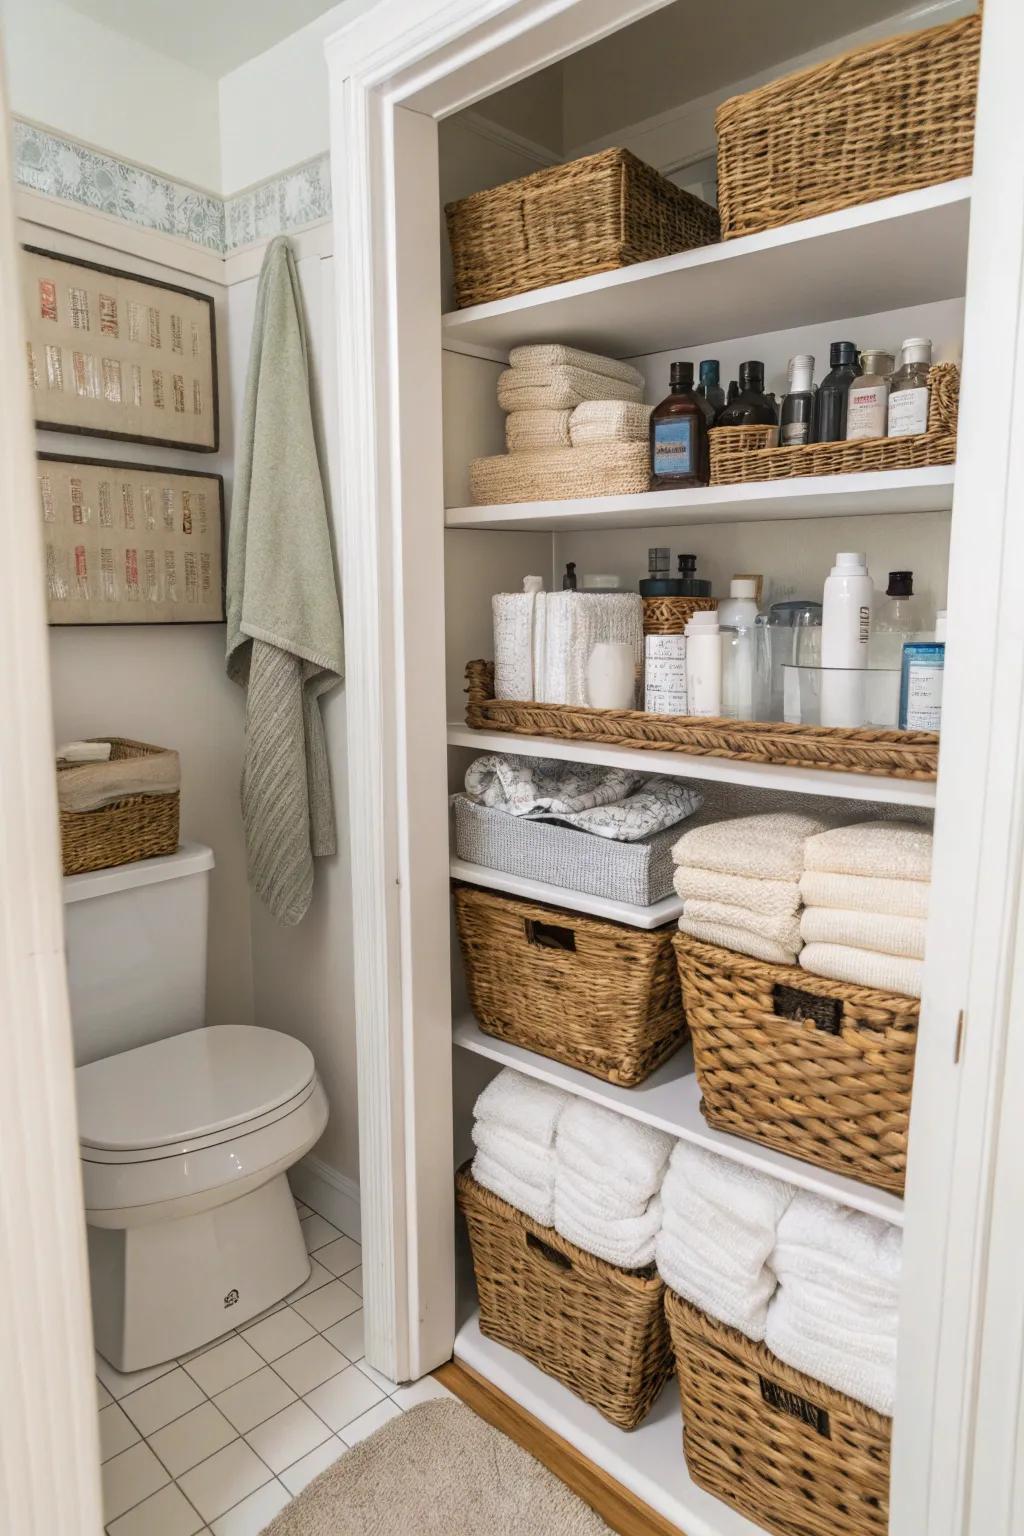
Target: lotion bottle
(845, 633)
(704, 665)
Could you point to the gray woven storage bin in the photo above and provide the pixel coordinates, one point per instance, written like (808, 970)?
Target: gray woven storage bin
(640, 873)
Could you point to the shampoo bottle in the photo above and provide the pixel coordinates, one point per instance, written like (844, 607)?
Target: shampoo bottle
(924, 663)
(845, 633)
(704, 665)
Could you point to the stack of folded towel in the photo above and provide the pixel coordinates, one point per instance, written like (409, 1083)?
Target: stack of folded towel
(865, 889)
(545, 385)
(835, 1313)
(515, 1119)
(718, 1229)
(608, 1174)
(543, 640)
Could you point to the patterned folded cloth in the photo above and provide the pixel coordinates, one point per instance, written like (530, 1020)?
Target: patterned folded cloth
(609, 421)
(533, 431)
(547, 355)
(609, 802)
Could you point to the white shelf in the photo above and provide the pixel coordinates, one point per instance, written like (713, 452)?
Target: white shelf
(648, 1461)
(890, 491)
(655, 916)
(718, 770)
(891, 254)
(670, 1100)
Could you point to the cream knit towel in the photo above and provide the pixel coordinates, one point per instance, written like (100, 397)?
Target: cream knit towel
(864, 930)
(765, 847)
(864, 968)
(609, 421)
(899, 850)
(781, 930)
(863, 893)
(739, 939)
(553, 389)
(533, 431)
(775, 898)
(547, 355)
(87, 786)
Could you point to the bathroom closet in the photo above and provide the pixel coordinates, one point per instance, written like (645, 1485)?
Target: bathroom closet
(417, 400)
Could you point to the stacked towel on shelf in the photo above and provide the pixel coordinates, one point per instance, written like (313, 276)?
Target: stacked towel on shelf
(609, 421)
(516, 617)
(537, 431)
(561, 378)
(573, 623)
(608, 1172)
(835, 1313)
(514, 1125)
(719, 1227)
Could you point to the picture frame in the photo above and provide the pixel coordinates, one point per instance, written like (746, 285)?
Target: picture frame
(129, 544)
(113, 354)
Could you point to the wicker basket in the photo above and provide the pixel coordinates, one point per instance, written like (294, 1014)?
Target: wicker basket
(593, 215)
(820, 1069)
(737, 456)
(870, 124)
(137, 827)
(557, 474)
(593, 994)
(894, 754)
(670, 615)
(599, 1330)
(795, 1456)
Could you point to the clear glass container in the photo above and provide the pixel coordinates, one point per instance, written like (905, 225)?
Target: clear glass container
(874, 692)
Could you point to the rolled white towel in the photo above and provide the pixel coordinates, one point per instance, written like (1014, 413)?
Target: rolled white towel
(864, 968)
(534, 431)
(767, 847)
(592, 1194)
(782, 930)
(864, 893)
(737, 1304)
(627, 1149)
(628, 1244)
(501, 1181)
(864, 930)
(740, 939)
(520, 1156)
(746, 1195)
(551, 355)
(523, 1104)
(775, 898)
(900, 850)
(822, 1350)
(847, 1251)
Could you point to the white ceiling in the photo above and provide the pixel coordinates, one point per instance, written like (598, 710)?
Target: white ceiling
(212, 36)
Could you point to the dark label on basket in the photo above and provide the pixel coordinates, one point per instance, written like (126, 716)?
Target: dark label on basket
(825, 1013)
(797, 1407)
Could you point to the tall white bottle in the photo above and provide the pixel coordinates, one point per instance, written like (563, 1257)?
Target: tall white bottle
(704, 665)
(845, 633)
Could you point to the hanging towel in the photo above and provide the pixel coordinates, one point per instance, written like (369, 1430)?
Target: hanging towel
(782, 930)
(763, 847)
(740, 939)
(284, 637)
(864, 930)
(549, 355)
(533, 431)
(864, 968)
(865, 893)
(773, 898)
(559, 389)
(900, 850)
(522, 1104)
(609, 421)
(615, 1145)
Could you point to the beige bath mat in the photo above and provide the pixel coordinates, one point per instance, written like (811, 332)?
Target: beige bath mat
(437, 1471)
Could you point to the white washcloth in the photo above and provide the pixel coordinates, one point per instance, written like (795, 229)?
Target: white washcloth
(740, 939)
(559, 388)
(609, 421)
(849, 1252)
(864, 893)
(607, 1201)
(534, 431)
(550, 355)
(514, 619)
(864, 930)
(524, 1105)
(900, 850)
(574, 622)
(738, 1304)
(501, 1181)
(782, 930)
(766, 847)
(776, 898)
(748, 1196)
(616, 1146)
(522, 1157)
(628, 1244)
(819, 1348)
(864, 968)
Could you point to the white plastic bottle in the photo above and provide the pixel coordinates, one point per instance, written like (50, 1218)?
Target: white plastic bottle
(739, 609)
(845, 633)
(704, 665)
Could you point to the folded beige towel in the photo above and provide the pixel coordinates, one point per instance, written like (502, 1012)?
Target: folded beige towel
(900, 850)
(739, 939)
(610, 421)
(87, 786)
(776, 898)
(864, 968)
(554, 389)
(545, 355)
(781, 930)
(864, 893)
(864, 930)
(533, 431)
(764, 847)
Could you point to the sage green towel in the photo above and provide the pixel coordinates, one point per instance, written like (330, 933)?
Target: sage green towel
(284, 639)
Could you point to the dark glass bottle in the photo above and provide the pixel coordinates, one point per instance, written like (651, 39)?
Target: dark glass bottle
(797, 423)
(751, 408)
(690, 584)
(730, 395)
(833, 391)
(709, 388)
(679, 435)
(569, 579)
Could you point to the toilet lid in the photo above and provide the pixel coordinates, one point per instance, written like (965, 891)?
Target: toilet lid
(188, 1086)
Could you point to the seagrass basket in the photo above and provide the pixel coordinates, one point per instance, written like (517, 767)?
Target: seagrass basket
(561, 474)
(596, 995)
(819, 1069)
(869, 124)
(594, 215)
(599, 1330)
(795, 1456)
(127, 829)
(670, 615)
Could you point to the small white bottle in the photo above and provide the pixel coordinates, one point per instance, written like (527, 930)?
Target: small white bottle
(908, 394)
(739, 609)
(867, 404)
(704, 665)
(845, 634)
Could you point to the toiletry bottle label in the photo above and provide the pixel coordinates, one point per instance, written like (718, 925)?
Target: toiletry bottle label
(922, 689)
(867, 412)
(908, 412)
(794, 434)
(673, 447)
(665, 674)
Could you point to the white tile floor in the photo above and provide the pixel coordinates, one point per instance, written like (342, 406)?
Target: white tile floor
(216, 1443)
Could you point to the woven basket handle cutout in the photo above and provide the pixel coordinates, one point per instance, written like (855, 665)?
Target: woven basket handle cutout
(825, 1013)
(552, 1255)
(549, 936)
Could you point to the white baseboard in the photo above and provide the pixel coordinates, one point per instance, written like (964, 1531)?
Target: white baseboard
(329, 1193)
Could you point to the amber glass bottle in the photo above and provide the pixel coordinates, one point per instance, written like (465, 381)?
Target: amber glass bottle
(679, 435)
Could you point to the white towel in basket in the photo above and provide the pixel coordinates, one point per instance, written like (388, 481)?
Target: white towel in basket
(864, 968)
(891, 849)
(523, 1104)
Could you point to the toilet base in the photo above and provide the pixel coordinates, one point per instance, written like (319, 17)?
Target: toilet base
(168, 1287)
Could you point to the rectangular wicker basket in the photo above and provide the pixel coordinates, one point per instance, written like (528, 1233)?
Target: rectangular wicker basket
(135, 827)
(594, 215)
(595, 995)
(795, 1456)
(599, 1330)
(560, 474)
(869, 124)
(820, 1069)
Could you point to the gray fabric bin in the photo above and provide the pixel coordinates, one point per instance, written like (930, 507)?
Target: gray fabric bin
(640, 873)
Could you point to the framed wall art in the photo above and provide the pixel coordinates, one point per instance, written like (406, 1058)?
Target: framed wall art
(131, 543)
(112, 354)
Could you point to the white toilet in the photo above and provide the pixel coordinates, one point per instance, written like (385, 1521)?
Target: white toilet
(186, 1130)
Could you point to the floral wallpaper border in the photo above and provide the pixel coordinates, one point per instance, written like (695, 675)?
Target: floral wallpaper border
(63, 168)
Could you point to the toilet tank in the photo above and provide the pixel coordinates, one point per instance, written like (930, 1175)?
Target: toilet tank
(135, 937)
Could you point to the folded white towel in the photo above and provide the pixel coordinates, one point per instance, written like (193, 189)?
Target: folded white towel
(775, 898)
(746, 1195)
(628, 1244)
(534, 431)
(864, 893)
(864, 930)
(802, 1340)
(559, 388)
(831, 1245)
(625, 1150)
(766, 847)
(782, 930)
(514, 619)
(574, 622)
(550, 355)
(716, 1239)
(618, 1192)
(899, 850)
(737, 1304)
(538, 1203)
(864, 968)
(610, 421)
(740, 939)
(522, 1157)
(523, 1104)
(608, 1201)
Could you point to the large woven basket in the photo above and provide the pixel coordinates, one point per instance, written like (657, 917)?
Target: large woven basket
(596, 214)
(865, 749)
(738, 454)
(795, 1456)
(559, 474)
(869, 124)
(593, 994)
(820, 1069)
(135, 827)
(599, 1330)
